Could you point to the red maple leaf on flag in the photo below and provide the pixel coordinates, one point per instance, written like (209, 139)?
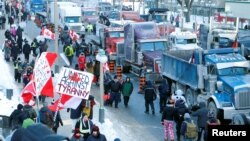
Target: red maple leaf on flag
(75, 77)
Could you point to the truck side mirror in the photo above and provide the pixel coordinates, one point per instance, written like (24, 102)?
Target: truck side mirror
(219, 85)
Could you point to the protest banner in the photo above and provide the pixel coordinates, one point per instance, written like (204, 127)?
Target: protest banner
(74, 83)
(42, 72)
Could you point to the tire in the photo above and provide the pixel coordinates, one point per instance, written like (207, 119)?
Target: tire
(239, 119)
(173, 88)
(190, 96)
(212, 107)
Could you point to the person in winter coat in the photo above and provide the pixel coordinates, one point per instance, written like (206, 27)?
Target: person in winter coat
(15, 117)
(167, 120)
(14, 52)
(34, 46)
(96, 135)
(26, 50)
(127, 89)
(18, 70)
(181, 109)
(164, 93)
(29, 112)
(97, 71)
(81, 62)
(212, 121)
(20, 44)
(58, 121)
(149, 97)
(187, 119)
(115, 89)
(83, 127)
(46, 116)
(201, 113)
(7, 34)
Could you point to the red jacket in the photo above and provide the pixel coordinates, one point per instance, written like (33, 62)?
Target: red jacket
(81, 62)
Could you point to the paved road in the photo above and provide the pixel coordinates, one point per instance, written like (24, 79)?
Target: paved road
(127, 123)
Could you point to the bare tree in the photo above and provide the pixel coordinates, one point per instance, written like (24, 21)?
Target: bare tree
(187, 4)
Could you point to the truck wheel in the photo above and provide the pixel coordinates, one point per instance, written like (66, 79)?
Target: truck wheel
(173, 88)
(239, 119)
(190, 97)
(212, 107)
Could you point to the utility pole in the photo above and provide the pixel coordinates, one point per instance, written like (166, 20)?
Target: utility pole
(182, 14)
(56, 34)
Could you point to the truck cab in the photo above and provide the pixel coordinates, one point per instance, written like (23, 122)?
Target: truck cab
(89, 15)
(37, 6)
(184, 40)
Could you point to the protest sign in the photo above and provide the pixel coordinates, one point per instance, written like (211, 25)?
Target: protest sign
(42, 72)
(74, 83)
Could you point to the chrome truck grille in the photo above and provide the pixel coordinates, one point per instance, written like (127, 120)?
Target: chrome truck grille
(75, 28)
(242, 99)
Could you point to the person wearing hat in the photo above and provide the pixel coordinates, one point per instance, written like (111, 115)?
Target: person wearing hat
(185, 129)
(96, 135)
(15, 117)
(81, 62)
(83, 127)
(167, 120)
(212, 121)
(14, 51)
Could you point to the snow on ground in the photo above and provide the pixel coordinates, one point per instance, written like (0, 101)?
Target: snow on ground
(7, 82)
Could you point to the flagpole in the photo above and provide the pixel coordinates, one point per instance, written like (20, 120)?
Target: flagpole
(37, 106)
(57, 107)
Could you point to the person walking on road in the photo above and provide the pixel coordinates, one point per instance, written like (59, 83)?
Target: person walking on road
(127, 89)
(15, 117)
(164, 94)
(96, 135)
(26, 50)
(69, 52)
(188, 128)
(83, 127)
(212, 121)
(167, 120)
(81, 62)
(150, 96)
(115, 88)
(201, 113)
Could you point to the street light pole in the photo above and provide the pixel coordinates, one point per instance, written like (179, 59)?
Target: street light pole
(56, 33)
(102, 58)
(182, 14)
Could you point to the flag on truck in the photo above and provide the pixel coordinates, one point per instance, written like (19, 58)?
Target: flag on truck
(48, 34)
(73, 35)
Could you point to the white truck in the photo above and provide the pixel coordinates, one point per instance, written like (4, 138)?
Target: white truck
(183, 40)
(69, 15)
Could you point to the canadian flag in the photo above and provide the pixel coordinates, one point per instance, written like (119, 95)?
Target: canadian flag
(65, 101)
(46, 33)
(29, 90)
(73, 35)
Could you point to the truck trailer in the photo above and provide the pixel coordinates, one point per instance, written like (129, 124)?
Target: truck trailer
(218, 77)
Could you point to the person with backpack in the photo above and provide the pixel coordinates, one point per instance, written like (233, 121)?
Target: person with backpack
(164, 94)
(149, 97)
(167, 120)
(69, 52)
(188, 128)
(212, 121)
(28, 112)
(127, 89)
(26, 50)
(115, 88)
(201, 113)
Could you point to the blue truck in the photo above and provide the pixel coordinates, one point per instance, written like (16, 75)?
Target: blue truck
(37, 6)
(218, 77)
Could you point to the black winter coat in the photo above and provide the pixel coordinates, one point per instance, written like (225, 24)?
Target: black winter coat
(26, 48)
(168, 113)
(150, 93)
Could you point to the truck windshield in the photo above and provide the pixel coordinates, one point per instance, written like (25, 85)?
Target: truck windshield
(116, 34)
(72, 19)
(159, 18)
(89, 13)
(152, 46)
(233, 71)
(37, 6)
(185, 41)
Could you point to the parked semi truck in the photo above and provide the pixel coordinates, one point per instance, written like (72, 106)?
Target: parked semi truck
(37, 6)
(217, 76)
(143, 47)
(69, 15)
